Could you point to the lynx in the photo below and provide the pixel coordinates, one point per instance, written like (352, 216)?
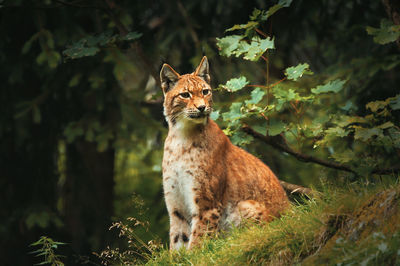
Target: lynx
(209, 183)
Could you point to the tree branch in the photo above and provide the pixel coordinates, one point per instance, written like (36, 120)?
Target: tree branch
(279, 143)
(296, 189)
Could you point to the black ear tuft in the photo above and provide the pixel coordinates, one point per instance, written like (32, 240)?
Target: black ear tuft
(168, 78)
(202, 70)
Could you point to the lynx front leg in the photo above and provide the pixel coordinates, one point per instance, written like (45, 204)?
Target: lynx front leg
(179, 230)
(203, 224)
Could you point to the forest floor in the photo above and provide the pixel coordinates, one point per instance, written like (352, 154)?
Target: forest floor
(357, 224)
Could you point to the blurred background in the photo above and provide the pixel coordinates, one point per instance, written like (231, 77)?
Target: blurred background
(81, 123)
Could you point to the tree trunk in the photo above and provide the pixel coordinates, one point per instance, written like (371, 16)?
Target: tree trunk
(88, 193)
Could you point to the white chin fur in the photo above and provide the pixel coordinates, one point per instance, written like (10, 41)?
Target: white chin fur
(187, 122)
(201, 120)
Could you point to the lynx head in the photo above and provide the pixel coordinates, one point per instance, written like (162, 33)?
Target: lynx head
(187, 98)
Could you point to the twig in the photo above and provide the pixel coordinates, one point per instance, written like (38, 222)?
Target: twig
(276, 83)
(265, 58)
(279, 143)
(261, 33)
(296, 189)
(256, 85)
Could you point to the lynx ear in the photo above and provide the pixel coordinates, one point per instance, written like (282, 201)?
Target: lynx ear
(168, 77)
(202, 70)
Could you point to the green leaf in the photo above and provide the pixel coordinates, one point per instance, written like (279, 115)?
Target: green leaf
(44, 262)
(78, 52)
(240, 138)
(344, 156)
(345, 120)
(295, 72)
(234, 112)
(316, 127)
(75, 80)
(283, 96)
(257, 48)
(41, 58)
(133, 35)
(367, 133)
(337, 131)
(39, 242)
(256, 96)
(376, 105)
(388, 32)
(228, 45)
(235, 84)
(248, 25)
(276, 127)
(237, 46)
(262, 129)
(332, 86)
(72, 131)
(282, 3)
(214, 115)
(386, 125)
(285, 3)
(28, 44)
(258, 15)
(91, 45)
(348, 106)
(395, 102)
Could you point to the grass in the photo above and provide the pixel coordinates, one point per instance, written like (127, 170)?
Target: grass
(312, 232)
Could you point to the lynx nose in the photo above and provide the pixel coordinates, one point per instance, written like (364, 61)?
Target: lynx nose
(201, 108)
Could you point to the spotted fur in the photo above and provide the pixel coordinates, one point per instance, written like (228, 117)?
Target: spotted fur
(209, 184)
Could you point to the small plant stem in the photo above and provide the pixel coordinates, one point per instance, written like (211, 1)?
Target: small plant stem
(257, 85)
(262, 33)
(294, 107)
(268, 92)
(266, 87)
(265, 117)
(264, 58)
(276, 83)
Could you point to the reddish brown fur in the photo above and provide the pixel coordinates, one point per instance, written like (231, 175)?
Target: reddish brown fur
(209, 183)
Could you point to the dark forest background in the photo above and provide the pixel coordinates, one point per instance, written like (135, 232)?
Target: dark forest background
(81, 123)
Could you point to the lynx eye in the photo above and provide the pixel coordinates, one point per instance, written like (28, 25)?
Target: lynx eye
(206, 92)
(185, 95)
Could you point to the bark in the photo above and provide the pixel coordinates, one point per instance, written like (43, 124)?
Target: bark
(88, 195)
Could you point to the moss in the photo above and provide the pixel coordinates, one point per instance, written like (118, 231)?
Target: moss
(373, 225)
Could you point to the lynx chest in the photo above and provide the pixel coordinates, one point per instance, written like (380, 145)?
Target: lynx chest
(182, 170)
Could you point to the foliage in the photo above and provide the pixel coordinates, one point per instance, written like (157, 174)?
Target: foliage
(46, 248)
(376, 133)
(91, 45)
(293, 73)
(387, 33)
